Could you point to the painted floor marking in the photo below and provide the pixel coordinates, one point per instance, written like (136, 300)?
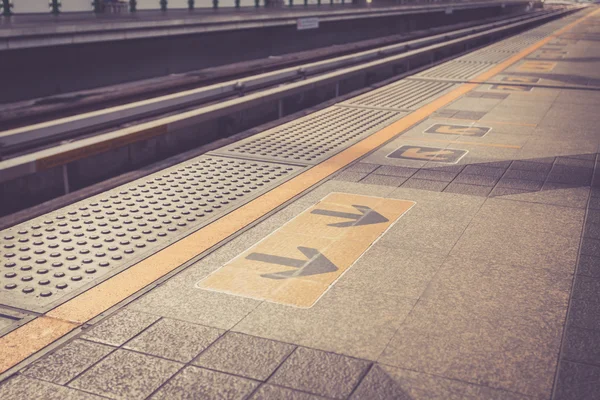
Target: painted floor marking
(520, 79)
(433, 154)
(536, 66)
(299, 262)
(511, 88)
(32, 337)
(462, 130)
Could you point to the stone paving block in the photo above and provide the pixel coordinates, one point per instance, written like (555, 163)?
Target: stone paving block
(583, 161)
(384, 382)
(121, 327)
(590, 247)
(526, 175)
(405, 172)
(126, 375)
(454, 168)
(473, 190)
(577, 381)
(498, 191)
(386, 180)
(320, 373)
(454, 340)
(595, 203)
(203, 384)
(570, 178)
(589, 265)
(67, 362)
(348, 176)
(349, 321)
(434, 175)
(423, 184)
(362, 167)
(592, 231)
(584, 313)
(481, 180)
(476, 169)
(175, 340)
(531, 165)
(593, 216)
(520, 233)
(586, 288)
(245, 355)
(272, 392)
(180, 299)
(582, 345)
(392, 271)
(20, 387)
(520, 184)
(502, 289)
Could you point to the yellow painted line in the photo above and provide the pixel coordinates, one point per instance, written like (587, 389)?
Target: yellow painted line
(299, 262)
(505, 146)
(118, 288)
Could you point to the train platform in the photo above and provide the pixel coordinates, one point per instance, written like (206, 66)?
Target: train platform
(38, 30)
(436, 238)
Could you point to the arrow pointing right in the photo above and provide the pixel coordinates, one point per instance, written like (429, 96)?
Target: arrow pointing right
(315, 264)
(367, 217)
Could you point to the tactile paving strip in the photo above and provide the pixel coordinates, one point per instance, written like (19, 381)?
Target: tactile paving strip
(457, 70)
(313, 138)
(51, 258)
(404, 95)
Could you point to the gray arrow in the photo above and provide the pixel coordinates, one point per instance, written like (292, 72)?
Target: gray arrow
(316, 263)
(367, 217)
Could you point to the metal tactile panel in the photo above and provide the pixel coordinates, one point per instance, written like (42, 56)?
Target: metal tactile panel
(457, 70)
(315, 137)
(408, 94)
(486, 56)
(51, 258)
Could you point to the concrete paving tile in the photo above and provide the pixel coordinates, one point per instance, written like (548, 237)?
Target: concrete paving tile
(68, 361)
(593, 216)
(384, 382)
(272, 392)
(520, 233)
(587, 288)
(126, 375)
(527, 175)
(480, 180)
(577, 381)
(589, 266)
(532, 165)
(584, 313)
(386, 180)
(595, 203)
(348, 176)
(121, 327)
(20, 387)
(520, 184)
(458, 341)
(405, 172)
(592, 230)
(362, 167)
(502, 289)
(476, 169)
(175, 340)
(422, 184)
(454, 168)
(320, 373)
(434, 175)
(551, 193)
(590, 247)
(245, 355)
(392, 271)
(473, 190)
(497, 192)
(203, 384)
(582, 345)
(348, 321)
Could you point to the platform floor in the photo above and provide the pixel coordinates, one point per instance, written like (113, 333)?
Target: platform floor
(437, 238)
